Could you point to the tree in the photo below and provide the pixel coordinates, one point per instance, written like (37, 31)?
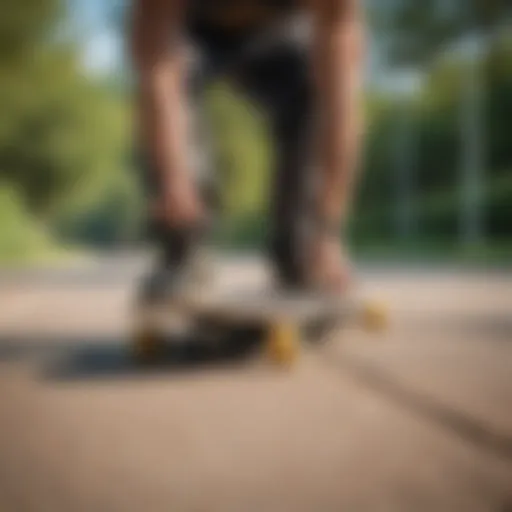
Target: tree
(420, 32)
(64, 138)
(59, 133)
(24, 26)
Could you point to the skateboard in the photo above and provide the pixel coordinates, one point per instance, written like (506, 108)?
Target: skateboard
(281, 322)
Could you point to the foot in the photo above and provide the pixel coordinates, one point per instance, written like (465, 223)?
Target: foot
(166, 280)
(330, 266)
(326, 271)
(161, 284)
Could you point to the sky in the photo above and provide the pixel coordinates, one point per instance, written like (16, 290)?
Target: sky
(102, 45)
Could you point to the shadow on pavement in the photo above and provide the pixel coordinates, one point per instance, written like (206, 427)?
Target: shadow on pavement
(465, 426)
(66, 359)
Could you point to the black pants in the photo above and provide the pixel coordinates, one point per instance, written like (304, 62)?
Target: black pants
(278, 79)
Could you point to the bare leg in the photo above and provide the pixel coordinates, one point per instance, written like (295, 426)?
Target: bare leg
(177, 248)
(303, 252)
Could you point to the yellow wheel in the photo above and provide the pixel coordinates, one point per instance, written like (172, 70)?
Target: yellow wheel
(147, 345)
(375, 317)
(283, 344)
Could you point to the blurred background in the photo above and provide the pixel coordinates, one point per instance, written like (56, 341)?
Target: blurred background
(437, 167)
(417, 418)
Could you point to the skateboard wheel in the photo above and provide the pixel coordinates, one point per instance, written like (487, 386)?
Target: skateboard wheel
(147, 345)
(375, 317)
(283, 344)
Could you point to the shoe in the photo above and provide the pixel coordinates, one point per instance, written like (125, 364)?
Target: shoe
(166, 281)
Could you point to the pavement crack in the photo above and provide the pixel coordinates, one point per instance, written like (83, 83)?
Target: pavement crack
(464, 426)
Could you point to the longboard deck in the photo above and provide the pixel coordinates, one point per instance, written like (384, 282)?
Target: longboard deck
(263, 306)
(283, 317)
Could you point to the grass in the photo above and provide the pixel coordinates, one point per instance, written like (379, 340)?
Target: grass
(48, 257)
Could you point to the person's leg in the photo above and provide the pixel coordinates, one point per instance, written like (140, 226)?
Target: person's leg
(280, 81)
(176, 248)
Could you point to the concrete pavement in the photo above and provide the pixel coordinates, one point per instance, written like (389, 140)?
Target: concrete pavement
(417, 420)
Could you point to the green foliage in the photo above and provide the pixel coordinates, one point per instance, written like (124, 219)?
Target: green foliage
(59, 133)
(64, 139)
(498, 102)
(243, 150)
(114, 219)
(435, 123)
(24, 26)
(20, 236)
(415, 31)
